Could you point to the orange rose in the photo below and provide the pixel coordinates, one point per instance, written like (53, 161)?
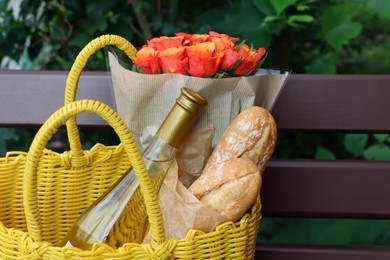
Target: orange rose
(172, 60)
(223, 38)
(203, 61)
(164, 42)
(230, 58)
(226, 46)
(192, 39)
(250, 59)
(146, 60)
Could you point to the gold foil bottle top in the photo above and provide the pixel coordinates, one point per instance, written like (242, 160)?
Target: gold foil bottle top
(181, 117)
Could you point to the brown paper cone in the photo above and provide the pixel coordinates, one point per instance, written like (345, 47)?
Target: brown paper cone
(143, 101)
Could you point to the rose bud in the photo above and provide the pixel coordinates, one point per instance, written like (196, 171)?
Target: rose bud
(172, 60)
(203, 61)
(230, 58)
(164, 42)
(146, 61)
(250, 58)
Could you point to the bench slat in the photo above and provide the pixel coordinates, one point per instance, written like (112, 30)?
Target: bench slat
(311, 188)
(30, 97)
(307, 102)
(344, 103)
(282, 252)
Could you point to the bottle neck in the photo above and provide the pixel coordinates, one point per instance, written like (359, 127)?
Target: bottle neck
(181, 117)
(176, 125)
(159, 150)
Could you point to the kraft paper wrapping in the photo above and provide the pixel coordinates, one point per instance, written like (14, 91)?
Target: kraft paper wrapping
(193, 154)
(143, 101)
(182, 211)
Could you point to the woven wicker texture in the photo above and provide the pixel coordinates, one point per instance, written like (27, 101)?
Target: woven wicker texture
(44, 192)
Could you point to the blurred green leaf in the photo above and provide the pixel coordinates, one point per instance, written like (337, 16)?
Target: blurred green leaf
(380, 8)
(321, 65)
(264, 6)
(274, 24)
(377, 152)
(298, 19)
(240, 18)
(335, 233)
(3, 147)
(304, 5)
(7, 133)
(382, 137)
(356, 143)
(335, 16)
(281, 5)
(323, 153)
(342, 34)
(366, 232)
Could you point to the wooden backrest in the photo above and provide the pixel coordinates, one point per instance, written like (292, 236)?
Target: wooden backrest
(28, 98)
(334, 104)
(291, 188)
(335, 189)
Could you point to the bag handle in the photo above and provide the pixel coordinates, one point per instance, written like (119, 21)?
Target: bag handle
(74, 76)
(59, 118)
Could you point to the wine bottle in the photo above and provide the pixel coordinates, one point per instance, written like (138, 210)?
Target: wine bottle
(119, 215)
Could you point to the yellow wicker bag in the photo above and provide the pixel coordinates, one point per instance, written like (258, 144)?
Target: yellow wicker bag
(43, 192)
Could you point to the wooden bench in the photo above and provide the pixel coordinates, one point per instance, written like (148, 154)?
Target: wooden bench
(291, 188)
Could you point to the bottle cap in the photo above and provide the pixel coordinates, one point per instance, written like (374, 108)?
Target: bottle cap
(181, 117)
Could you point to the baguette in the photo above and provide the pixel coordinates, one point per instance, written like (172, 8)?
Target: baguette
(251, 137)
(235, 193)
(252, 134)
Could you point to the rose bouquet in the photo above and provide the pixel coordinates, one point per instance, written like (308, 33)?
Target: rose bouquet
(199, 55)
(219, 67)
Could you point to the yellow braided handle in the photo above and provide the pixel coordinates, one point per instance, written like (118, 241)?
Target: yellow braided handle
(74, 76)
(59, 118)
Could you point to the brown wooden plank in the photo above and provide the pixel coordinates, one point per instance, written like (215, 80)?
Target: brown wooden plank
(334, 102)
(308, 102)
(286, 252)
(30, 97)
(309, 188)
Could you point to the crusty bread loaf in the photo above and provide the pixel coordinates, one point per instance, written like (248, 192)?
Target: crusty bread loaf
(234, 193)
(252, 134)
(250, 137)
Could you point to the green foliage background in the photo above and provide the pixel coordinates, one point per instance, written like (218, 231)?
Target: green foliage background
(307, 36)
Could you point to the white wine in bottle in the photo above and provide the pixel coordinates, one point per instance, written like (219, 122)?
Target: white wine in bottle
(119, 215)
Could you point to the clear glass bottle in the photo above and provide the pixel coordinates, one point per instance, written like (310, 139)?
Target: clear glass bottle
(119, 215)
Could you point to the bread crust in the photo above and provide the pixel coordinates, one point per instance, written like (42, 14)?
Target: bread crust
(231, 188)
(231, 178)
(252, 134)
